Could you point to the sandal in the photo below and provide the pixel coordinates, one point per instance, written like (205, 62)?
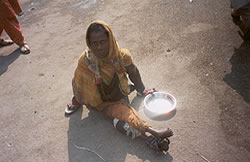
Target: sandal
(25, 49)
(71, 108)
(163, 144)
(157, 144)
(5, 42)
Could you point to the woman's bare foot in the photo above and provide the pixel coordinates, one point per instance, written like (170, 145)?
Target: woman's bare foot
(165, 133)
(160, 133)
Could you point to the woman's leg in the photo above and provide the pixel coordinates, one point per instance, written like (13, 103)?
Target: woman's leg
(75, 103)
(126, 113)
(76, 99)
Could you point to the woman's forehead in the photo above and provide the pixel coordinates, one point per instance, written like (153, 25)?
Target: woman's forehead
(96, 36)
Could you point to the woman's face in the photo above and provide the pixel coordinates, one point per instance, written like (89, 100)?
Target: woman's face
(99, 44)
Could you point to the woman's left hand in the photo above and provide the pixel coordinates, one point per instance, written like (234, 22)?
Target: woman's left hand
(149, 91)
(146, 92)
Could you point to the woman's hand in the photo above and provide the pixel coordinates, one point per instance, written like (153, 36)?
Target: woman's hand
(146, 92)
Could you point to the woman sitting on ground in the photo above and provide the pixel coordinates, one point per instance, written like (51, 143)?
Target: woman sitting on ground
(100, 82)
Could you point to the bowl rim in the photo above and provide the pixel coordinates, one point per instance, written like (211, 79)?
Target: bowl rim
(173, 107)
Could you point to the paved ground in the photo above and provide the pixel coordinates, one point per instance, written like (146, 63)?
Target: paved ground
(190, 50)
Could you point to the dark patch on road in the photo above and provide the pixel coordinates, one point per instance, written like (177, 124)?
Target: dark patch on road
(5, 61)
(239, 78)
(235, 118)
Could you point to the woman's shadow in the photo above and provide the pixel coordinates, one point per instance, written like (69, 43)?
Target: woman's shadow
(5, 61)
(239, 78)
(91, 137)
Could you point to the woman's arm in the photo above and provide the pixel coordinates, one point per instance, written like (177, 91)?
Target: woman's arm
(135, 77)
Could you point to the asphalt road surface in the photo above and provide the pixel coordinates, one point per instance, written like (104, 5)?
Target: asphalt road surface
(191, 50)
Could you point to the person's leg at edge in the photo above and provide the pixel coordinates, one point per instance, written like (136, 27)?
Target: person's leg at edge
(2, 41)
(14, 30)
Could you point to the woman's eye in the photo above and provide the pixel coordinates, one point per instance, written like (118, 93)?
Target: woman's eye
(94, 43)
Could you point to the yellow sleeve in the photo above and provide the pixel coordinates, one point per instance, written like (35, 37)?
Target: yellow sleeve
(126, 56)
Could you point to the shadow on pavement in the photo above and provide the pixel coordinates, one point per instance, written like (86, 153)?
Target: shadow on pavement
(5, 61)
(239, 78)
(96, 132)
(136, 102)
(234, 117)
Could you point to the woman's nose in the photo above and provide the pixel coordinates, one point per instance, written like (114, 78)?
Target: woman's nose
(99, 46)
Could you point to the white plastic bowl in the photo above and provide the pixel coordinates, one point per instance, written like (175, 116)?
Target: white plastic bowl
(160, 106)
